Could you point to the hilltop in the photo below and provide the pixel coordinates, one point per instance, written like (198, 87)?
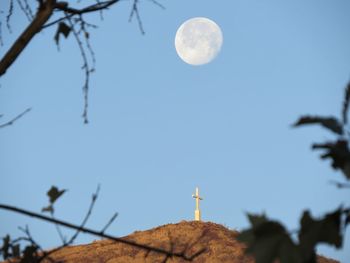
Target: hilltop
(220, 243)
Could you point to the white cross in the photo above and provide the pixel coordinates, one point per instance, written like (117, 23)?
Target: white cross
(197, 212)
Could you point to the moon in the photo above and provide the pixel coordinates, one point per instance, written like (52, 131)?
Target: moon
(198, 41)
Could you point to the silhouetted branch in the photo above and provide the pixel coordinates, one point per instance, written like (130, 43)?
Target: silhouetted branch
(43, 14)
(87, 216)
(14, 119)
(60, 234)
(70, 12)
(1, 40)
(157, 4)
(135, 12)
(99, 233)
(346, 104)
(24, 6)
(9, 14)
(37, 249)
(72, 239)
(71, 15)
(92, 8)
(87, 69)
(109, 222)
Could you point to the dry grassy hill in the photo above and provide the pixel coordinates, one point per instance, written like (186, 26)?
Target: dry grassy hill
(220, 244)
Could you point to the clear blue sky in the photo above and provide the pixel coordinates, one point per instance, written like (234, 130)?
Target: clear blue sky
(159, 127)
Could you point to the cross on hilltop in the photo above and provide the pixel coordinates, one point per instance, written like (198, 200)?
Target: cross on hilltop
(197, 212)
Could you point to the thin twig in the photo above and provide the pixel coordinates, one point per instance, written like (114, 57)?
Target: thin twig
(31, 240)
(15, 118)
(92, 8)
(157, 4)
(8, 17)
(25, 9)
(72, 239)
(109, 222)
(100, 6)
(60, 234)
(1, 40)
(87, 216)
(86, 68)
(135, 12)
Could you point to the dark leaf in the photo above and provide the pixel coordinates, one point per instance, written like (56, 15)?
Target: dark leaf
(16, 252)
(339, 153)
(29, 254)
(325, 230)
(6, 246)
(330, 123)
(289, 252)
(246, 236)
(257, 220)
(54, 194)
(63, 29)
(268, 241)
(346, 104)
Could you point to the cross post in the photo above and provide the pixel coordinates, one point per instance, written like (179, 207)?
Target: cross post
(197, 212)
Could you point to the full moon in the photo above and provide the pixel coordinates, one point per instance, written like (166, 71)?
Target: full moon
(198, 41)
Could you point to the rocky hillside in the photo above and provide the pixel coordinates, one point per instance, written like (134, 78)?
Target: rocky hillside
(220, 243)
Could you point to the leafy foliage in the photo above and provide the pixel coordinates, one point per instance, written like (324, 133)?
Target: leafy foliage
(62, 29)
(326, 230)
(337, 150)
(269, 241)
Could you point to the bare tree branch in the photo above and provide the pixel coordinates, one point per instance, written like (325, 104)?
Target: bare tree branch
(109, 222)
(157, 4)
(86, 67)
(92, 8)
(44, 13)
(42, 16)
(77, 25)
(15, 118)
(135, 12)
(9, 14)
(87, 216)
(24, 6)
(72, 239)
(1, 40)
